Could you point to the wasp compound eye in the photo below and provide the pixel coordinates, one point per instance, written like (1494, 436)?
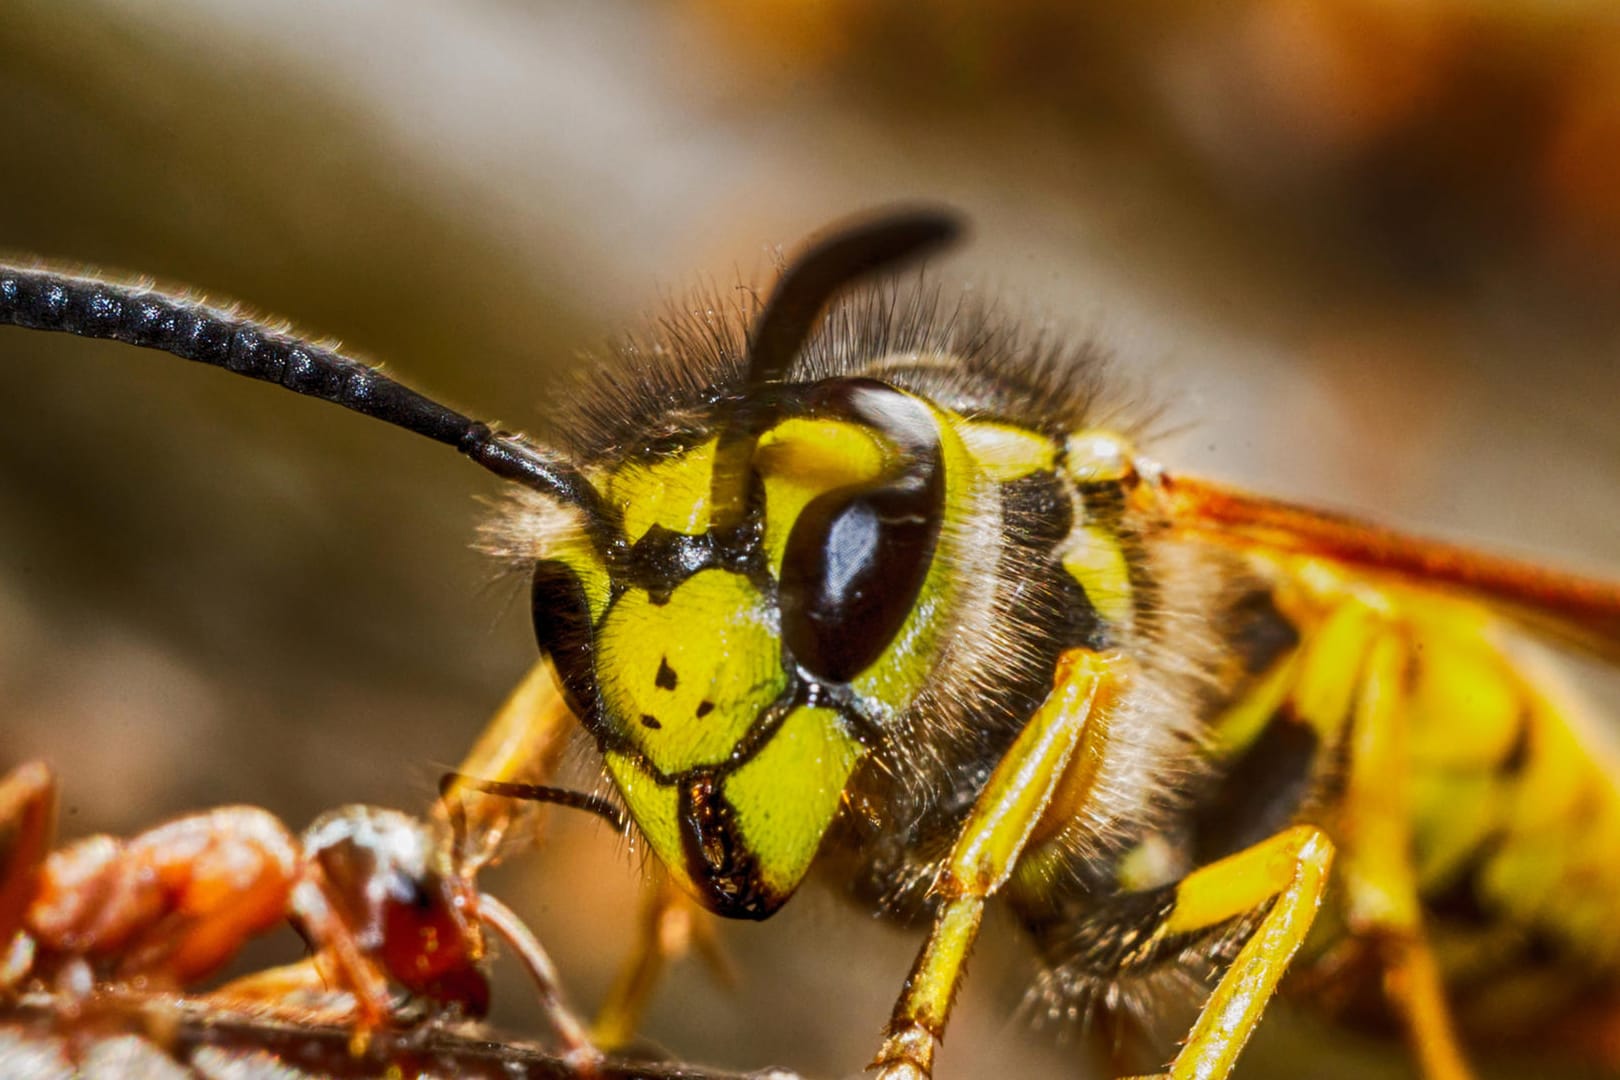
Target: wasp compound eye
(855, 564)
(857, 557)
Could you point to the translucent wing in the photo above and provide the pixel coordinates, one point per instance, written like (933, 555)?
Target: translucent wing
(1578, 611)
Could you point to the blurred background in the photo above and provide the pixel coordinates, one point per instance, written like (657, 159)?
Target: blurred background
(1365, 252)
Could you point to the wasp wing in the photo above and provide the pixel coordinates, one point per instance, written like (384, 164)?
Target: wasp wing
(1578, 611)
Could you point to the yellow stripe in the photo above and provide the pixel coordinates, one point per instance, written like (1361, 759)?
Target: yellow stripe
(1092, 556)
(1004, 452)
(672, 492)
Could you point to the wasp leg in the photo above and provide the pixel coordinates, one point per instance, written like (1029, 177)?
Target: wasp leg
(1288, 872)
(670, 926)
(997, 830)
(1354, 685)
(1380, 880)
(27, 822)
(522, 744)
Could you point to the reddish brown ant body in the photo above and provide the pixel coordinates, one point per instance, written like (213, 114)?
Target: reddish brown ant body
(381, 902)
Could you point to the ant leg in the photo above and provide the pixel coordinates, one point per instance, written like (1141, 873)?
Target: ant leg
(301, 988)
(27, 822)
(338, 953)
(579, 1048)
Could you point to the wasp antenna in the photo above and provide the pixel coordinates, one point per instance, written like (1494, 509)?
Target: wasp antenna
(39, 299)
(841, 257)
(576, 800)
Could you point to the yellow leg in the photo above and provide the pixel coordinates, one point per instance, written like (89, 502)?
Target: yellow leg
(670, 926)
(522, 744)
(1380, 881)
(997, 830)
(1351, 686)
(1289, 872)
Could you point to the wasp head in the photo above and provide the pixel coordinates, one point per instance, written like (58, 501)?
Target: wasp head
(759, 604)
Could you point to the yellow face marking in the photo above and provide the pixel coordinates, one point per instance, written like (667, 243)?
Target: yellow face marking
(654, 806)
(1096, 457)
(786, 795)
(1004, 452)
(672, 492)
(799, 459)
(1093, 557)
(685, 680)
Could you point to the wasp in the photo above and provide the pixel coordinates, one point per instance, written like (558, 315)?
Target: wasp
(854, 578)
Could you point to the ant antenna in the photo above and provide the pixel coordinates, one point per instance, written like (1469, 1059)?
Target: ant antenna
(840, 258)
(40, 299)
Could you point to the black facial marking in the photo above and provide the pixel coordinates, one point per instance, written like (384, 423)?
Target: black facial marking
(662, 558)
(726, 872)
(665, 679)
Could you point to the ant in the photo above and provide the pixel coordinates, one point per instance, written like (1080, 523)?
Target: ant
(380, 901)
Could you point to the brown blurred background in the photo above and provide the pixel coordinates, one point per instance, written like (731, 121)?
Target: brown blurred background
(1368, 253)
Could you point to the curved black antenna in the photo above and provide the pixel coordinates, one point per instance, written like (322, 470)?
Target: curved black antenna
(842, 257)
(40, 299)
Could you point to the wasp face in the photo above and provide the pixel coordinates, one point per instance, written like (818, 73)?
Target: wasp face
(751, 630)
